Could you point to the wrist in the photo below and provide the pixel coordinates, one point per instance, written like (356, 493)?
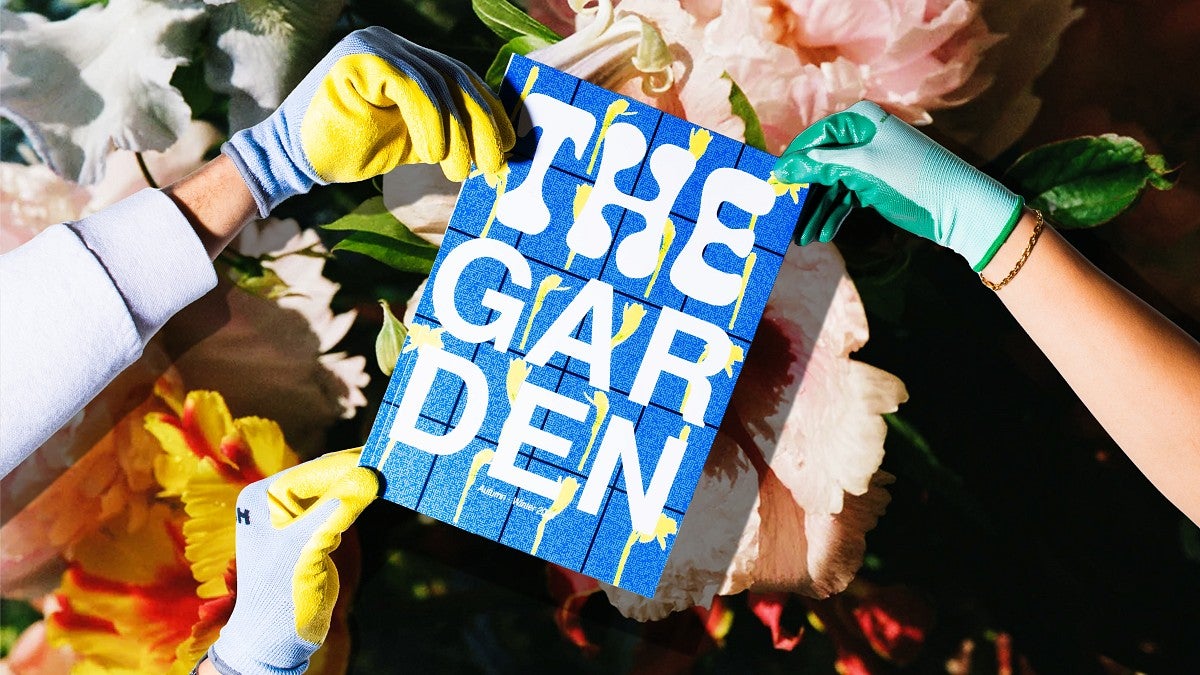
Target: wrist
(262, 156)
(1012, 248)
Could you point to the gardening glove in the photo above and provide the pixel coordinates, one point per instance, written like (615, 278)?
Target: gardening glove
(376, 101)
(868, 157)
(287, 525)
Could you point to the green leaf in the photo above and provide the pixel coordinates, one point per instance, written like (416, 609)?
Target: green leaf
(391, 252)
(519, 45)
(743, 109)
(1087, 181)
(915, 459)
(509, 22)
(373, 217)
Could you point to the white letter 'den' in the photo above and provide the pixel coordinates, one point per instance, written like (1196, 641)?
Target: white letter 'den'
(518, 431)
(690, 273)
(445, 285)
(524, 208)
(475, 401)
(645, 504)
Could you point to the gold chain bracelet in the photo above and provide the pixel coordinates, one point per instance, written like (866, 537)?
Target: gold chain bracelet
(1037, 232)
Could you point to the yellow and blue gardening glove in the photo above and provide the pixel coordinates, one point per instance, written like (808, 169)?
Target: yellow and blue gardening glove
(374, 102)
(868, 157)
(287, 527)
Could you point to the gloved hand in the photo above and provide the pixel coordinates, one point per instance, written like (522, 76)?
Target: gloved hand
(374, 102)
(868, 157)
(287, 525)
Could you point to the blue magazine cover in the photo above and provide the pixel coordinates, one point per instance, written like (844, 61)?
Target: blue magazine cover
(582, 329)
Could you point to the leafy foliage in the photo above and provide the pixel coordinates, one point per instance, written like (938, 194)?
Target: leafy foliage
(743, 109)
(377, 234)
(1087, 181)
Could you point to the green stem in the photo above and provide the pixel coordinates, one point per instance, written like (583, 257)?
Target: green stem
(141, 162)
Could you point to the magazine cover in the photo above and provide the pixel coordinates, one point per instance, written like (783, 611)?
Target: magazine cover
(580, 335)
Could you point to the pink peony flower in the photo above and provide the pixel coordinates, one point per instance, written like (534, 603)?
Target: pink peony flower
(800, 60)
(793, 482)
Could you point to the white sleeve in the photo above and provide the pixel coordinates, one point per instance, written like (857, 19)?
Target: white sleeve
(78, 304)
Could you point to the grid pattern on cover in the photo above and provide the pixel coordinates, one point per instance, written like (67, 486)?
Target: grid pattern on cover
(583, 516)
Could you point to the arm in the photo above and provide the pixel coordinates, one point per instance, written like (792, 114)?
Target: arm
(81, 300)
(1137, 372)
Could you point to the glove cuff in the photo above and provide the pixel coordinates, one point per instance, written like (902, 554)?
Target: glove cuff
(261, 157)
(258, 659)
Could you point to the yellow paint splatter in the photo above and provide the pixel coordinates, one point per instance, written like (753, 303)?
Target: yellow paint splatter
(551, 283)
(421, 336)
(600, 402)
(533, 75)
(566, 492)
(737, 306)
(518, 372)
(782, 188)
(615, 109)
(736, 355)
(482, 458)
(698, 142)
(582, 192)
(665, 527)
(631, 319)
(499, 182)
(667, 238)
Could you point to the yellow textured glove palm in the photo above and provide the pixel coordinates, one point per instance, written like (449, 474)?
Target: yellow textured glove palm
(374, 102)
(368, 116)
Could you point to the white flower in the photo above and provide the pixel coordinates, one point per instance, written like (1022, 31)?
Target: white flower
(649, 50)
(261, 50)
(98, 80)
(421, 197)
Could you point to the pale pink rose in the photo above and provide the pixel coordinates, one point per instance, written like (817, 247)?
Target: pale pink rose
(800, 60)
(793, 481)
(651, 50)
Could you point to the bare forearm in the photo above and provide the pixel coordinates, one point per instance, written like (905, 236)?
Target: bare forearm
(1137, 372)
(216, 201)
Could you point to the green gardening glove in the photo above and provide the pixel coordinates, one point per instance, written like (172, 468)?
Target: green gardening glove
(868, 157)
(287, 525)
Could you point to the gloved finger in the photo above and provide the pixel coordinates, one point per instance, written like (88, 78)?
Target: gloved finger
(831, 209)
(366, 101)
(315, 581)
(837, 215)
(854, 126)
(293, 492)
(492, 131)
(480, 118)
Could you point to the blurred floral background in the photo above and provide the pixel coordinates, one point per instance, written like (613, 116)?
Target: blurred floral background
(929, 495)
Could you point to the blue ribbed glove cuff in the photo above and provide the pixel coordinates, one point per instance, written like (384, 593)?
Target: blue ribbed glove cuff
(257, 658)
(260, 156)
